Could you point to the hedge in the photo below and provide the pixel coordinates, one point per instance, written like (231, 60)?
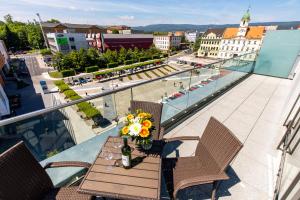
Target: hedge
(88, 110)
(92, 112)
(68, 72)
(142, 59)
(45, 52)
(112, 65)
(55, 74)
(128, 62)
(59, 82)
(70, 93)
(63, 87)
(91, 69)
(156, 56)
(76, 97)
(127, 67)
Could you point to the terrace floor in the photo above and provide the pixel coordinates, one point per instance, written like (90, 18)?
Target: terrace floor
(254, 110)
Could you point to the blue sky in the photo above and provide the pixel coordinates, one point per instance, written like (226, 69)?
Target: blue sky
(144, 12)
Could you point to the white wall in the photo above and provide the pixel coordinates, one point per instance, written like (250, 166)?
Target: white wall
(4, 103)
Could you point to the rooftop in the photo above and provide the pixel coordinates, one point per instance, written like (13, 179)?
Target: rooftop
(253, 32)
(218, 31)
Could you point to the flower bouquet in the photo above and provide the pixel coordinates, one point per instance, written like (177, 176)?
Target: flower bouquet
(139, 126)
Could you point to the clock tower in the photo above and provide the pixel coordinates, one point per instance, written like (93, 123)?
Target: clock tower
(244, 24)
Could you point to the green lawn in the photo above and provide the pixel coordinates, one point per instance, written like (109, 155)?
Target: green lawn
(55, 74)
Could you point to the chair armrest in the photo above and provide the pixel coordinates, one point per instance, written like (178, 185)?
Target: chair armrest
(199, 180)
(67, 164)
(181, 138)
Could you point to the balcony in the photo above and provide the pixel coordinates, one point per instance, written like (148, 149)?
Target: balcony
(252, 106)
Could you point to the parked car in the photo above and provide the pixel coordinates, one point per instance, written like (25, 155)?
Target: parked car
(43, 85)
(82, 80)
(88, 79)
(76, 82)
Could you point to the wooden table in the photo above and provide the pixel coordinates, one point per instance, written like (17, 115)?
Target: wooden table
(142, 181)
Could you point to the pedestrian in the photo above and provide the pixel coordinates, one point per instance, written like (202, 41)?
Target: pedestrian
(106, 105)
(86, 93)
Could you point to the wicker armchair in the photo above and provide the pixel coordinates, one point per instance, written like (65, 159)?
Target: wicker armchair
(22, 177)
(215, 150)
(156, 110)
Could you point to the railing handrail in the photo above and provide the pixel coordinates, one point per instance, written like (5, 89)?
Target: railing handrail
(91, 97)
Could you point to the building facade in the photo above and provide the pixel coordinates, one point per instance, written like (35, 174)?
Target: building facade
(210, 42)
(242, 40)
(4, 60)
(113, 42)
(192, 36)
(122, 29)
(167, 42)
(72, 28)
(66, 42)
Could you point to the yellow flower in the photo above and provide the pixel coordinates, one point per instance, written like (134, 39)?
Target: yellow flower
(142, 115)
(144, 132)
(130, 116)
(147, 123)
(125, 130)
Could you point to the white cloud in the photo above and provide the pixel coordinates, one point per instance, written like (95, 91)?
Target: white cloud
(127, 17)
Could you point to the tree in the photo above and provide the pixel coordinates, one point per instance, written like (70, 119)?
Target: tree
(135, 54)
(8, 19)
(10, 38)
(53, 21)
(115, 31)
(93, 57)
(122, 55)
(197, 44)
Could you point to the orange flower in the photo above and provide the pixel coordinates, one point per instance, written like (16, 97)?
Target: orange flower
(144, 132)
(147, 123)
(130, 116)
(125, 130)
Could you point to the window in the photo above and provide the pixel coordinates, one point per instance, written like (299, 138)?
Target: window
(233, 41)
(71, 39)
(227, 48)
(232, 48)
(73, 47)
(237, 49)
(255, 42)
(239, 42)
(253, 49)
(249, 42)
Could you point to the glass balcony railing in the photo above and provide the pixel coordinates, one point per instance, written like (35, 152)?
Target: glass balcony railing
(64, 133)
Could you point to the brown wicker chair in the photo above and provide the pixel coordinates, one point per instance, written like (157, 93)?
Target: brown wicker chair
(155, 109)
(22, 177)
(215, 150)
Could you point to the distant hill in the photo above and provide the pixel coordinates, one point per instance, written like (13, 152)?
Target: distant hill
(193, 27)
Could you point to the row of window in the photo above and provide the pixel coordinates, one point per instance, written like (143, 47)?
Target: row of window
(230, 55)
(210, 48)
(210, 42)
(212, 37)
(237, 48)
(238, 42)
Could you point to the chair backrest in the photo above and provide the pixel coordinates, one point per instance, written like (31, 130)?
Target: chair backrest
(155, 109)
(220, 142)
(21, 176)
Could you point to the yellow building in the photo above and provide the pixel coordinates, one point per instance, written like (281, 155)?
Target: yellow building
(210, 42)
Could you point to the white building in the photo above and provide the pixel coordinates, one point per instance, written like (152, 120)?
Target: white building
(192, 36)
(3, 51)
(66, 42)
(167, 42)
(4, 59)
(242, 40)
